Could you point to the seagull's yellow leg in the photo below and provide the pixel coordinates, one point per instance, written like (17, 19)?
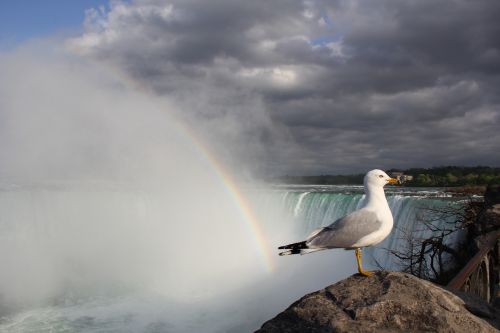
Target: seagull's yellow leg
(360, 266)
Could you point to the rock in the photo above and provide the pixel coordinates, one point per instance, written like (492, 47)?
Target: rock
(384, 302)
(488, 221)
(479, 307)
(492, 195)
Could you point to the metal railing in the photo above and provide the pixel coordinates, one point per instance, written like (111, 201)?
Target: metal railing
(478, 274)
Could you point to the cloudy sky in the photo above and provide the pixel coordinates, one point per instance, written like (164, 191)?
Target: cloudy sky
(301, 87)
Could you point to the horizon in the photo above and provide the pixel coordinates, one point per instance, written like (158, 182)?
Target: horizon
(393, 170)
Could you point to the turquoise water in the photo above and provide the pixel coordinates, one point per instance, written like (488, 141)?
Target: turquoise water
(312, 207)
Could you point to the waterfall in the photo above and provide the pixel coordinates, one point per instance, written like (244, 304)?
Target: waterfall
(296, 210)
(126, 259)
(105, 240)
(310, 208)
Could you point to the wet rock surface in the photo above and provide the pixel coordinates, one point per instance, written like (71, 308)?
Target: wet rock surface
(384, 302)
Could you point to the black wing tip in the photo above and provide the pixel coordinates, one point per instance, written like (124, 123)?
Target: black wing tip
(294, 248)
(291, 251)
(299, 245)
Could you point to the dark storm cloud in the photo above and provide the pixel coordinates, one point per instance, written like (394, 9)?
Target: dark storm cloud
(318, 86)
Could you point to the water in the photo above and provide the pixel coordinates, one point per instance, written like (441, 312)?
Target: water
(125, 259)
(311, 207)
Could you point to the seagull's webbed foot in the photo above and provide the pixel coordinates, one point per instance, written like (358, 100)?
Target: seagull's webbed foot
(360, 266)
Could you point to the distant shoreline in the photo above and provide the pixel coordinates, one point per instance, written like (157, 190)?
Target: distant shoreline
(462, 179)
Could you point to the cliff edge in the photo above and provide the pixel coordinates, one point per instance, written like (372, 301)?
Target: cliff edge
(385, 302)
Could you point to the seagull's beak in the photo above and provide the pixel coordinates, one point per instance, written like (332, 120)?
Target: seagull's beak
(393, 181)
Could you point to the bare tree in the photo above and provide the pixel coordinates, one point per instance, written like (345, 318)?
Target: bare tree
(438, 254)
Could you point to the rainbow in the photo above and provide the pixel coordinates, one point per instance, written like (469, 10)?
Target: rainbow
(239, 200)
(230, 185)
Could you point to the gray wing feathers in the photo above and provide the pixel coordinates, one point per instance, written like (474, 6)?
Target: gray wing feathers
(346, 231)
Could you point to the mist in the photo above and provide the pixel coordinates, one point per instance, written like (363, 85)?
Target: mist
(107, 192)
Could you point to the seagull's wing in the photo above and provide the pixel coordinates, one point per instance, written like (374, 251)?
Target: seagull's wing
(346, 231)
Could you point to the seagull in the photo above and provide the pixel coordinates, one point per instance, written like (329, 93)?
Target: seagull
(364, 227)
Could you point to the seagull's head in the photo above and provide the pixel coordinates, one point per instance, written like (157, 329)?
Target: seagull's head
(378, 178)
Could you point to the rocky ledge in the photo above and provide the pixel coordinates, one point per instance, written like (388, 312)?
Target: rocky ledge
(385, 302)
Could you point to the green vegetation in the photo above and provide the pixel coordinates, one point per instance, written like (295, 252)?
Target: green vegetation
(453, 176)
(447, 176)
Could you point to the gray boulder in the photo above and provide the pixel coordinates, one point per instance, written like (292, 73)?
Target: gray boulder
(384, 302)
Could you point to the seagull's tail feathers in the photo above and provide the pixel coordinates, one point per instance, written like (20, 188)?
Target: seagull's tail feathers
(297, 248)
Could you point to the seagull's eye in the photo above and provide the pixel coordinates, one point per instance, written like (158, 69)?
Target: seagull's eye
(381, 176)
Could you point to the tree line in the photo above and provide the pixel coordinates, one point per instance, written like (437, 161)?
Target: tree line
(437, 176)
(453, 176)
